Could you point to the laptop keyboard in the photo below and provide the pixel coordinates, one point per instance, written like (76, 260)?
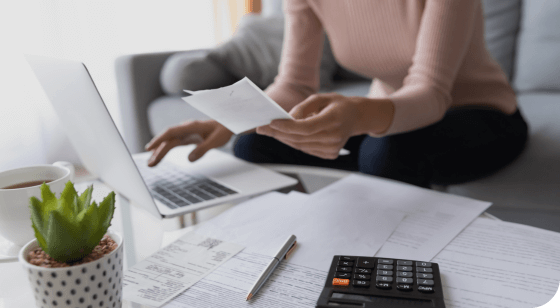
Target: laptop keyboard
(177, 188)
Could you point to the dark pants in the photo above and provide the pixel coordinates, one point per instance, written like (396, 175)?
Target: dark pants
(465, 145)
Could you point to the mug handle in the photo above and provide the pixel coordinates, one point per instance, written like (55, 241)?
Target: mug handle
(67, 165)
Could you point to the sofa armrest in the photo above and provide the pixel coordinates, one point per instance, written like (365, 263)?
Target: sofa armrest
(138, 82)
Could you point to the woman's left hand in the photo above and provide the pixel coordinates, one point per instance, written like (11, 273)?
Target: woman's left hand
(322, 126)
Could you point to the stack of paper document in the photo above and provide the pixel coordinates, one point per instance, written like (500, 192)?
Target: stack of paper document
(501, 264)
(176, 267)
(490, 264)
(323, 229)
(354, 216)
(485, 263)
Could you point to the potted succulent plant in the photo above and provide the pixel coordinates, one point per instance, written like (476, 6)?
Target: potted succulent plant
(74, 261)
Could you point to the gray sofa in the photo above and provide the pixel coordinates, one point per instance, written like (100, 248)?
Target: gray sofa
(523, 36)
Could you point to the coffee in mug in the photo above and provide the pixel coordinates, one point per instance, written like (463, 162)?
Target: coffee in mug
(17, 186)
(27, 184)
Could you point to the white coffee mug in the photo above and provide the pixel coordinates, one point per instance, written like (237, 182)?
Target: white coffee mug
(15, 215)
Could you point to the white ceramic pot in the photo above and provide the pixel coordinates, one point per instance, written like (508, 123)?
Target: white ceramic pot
(90, 285)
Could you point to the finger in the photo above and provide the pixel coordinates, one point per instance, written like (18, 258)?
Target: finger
(328, 137)
(313, 104)
(318, 146)
(316, 149)
(263, 130)
(190, 139)
(323, 155)
(324, 151)
(179, 131)
(215, 140)
(161, 151)
(309, 126)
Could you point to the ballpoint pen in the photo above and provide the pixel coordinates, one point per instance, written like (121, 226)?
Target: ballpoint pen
(284, 253)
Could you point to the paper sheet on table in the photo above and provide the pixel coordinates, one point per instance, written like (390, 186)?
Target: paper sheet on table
(239, 107)
(500, 264)
(433, 218)
(290, 285)
(174, 268)
(323, 229)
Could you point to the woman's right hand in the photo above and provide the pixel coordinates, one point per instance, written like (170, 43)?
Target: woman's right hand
(207, 134)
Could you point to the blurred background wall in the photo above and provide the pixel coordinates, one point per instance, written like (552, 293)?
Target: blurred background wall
(93, 32)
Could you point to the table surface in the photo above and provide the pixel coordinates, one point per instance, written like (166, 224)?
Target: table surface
(144, 234)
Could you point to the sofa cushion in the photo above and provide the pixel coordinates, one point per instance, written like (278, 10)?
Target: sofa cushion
(192, 71)
(501, 24)
(531, 181)
(538, 47)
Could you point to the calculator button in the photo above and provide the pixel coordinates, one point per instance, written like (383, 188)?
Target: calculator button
(383, 285)
(384, 279)
(365, 262)
(404, 287)
(404, 268)
(423, 270)
(362, 276)
(404, 263)
(362, 271)
(343, 269)
(404, 280)
(346, 258)
(384, 267)
(340, 282)
(424, 276)
(345, 263)
(425, 289)
(342, 275)
(360, 283)
(424, 264)
(425, 282)
(385, 273)
(384, 261)
(404, 274)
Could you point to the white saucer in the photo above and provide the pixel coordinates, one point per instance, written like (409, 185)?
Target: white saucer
(8, 251)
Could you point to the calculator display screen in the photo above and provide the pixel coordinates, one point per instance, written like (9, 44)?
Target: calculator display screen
(382, 299)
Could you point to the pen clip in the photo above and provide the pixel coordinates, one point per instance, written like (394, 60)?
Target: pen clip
(292, 248)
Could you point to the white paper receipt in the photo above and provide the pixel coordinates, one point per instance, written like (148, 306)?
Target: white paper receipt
(174, 268)
(239, 107)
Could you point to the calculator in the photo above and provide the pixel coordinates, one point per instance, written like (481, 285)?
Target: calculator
(382, 283)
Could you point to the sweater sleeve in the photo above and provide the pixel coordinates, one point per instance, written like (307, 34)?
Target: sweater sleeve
(444, 36)
(298, 73)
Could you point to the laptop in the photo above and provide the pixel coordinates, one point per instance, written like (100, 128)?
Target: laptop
(174, 187)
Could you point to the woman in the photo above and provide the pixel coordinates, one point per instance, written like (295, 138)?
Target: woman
(440, 110)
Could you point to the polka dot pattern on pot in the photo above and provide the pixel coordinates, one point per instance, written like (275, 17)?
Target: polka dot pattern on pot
(94, 284)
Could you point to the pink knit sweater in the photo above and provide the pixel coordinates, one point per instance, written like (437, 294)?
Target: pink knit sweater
(426, 56)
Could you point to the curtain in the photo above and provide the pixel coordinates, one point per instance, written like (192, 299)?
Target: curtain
(93, 32)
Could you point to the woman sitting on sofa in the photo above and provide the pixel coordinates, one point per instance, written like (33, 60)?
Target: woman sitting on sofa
(440, 110)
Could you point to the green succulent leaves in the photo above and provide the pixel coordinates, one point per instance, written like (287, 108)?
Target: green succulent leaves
(69, 228)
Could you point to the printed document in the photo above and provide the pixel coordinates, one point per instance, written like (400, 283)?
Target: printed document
(290, 285)
(174, 268)
(239, 107)
(500, 264)
(323, 228)
(433, 219)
